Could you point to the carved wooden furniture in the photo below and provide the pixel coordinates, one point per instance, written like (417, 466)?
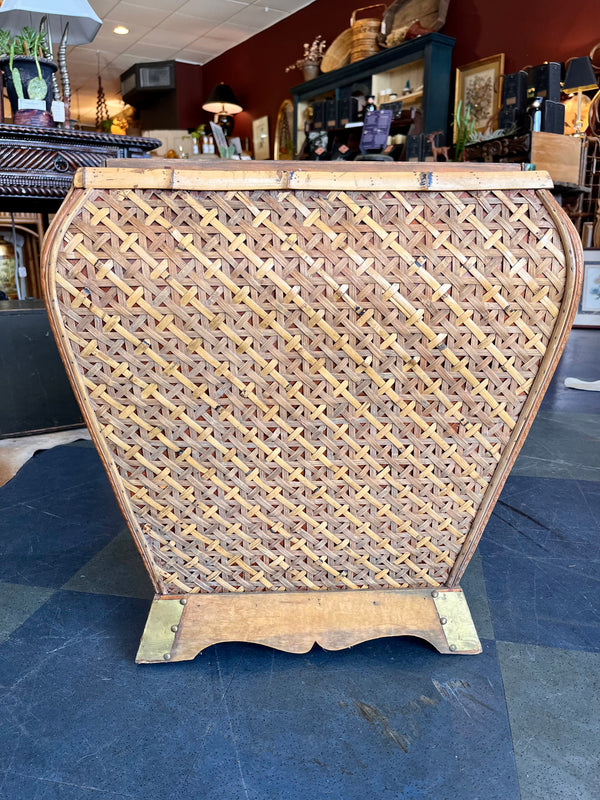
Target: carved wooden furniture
(37, 164)
(308, 383)
(36, 172)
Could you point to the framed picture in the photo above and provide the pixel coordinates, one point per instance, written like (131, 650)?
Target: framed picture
(479, 86)
(588, 313)
(260, 138)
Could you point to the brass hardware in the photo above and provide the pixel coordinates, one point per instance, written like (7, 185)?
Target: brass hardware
(455, 618)
(160, 631)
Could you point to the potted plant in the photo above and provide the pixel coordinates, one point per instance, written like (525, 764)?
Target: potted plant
(310, 63)
(464, 121)
(28, 76)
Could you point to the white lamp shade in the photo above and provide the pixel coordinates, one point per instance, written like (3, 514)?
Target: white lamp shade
(83, 21)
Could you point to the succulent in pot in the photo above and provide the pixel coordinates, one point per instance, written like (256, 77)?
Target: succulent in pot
(28, 76)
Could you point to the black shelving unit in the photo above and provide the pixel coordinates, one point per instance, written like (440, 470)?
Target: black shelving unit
(435, 50)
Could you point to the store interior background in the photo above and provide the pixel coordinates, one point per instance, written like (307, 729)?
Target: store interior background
(255, 69)
(390, 718)
(528, 34)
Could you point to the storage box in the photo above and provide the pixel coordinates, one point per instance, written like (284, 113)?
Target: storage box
(560, 155)
(308, 382)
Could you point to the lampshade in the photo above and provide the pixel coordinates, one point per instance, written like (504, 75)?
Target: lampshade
(222, 101)
(580, 75)
(84, 24)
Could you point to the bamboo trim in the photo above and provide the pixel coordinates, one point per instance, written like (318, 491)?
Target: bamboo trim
(429, 179)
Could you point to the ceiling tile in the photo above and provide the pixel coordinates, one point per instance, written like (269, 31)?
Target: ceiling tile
(183, 22)
(107, 35)
(130, 15)
(160, 30)
(162, 38)
(257, 18)
(229, 32)
(126, 60)
(156, 52)
(194, 55)
(158, 5)
(208, 9)
(289, 6)
(102, 7)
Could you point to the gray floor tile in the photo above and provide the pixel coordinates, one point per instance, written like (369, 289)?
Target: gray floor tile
(553, 699)
(17, 603)
(561, 445)
(389, 719)
(473, 585)
(117, 569)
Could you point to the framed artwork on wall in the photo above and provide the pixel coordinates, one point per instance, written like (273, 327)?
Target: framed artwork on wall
(260, 138)
(479, 87)
(588, 312)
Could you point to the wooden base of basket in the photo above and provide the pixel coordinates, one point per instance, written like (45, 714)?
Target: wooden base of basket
(178, 628)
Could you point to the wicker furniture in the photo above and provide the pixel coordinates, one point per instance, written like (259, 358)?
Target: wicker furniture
(308, 383)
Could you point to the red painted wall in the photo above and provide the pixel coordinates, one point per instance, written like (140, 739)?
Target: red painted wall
(527, 31)
(190, 93)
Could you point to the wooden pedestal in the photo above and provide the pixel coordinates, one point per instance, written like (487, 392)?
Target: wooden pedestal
(178, 628)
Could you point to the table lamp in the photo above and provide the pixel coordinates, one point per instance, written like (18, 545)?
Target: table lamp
(579, 78)
(223, 103)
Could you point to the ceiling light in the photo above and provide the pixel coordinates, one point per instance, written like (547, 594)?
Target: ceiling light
(121, 29)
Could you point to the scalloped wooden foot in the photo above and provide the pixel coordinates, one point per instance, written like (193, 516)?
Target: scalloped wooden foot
(178, 628)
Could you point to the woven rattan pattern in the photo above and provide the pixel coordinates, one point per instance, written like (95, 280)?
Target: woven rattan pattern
(307, 390)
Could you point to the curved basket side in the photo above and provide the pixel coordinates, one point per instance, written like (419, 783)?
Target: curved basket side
(574, 276)
(53, 240)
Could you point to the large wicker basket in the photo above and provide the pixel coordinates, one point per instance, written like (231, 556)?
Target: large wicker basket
(308, 382)
(365, 33)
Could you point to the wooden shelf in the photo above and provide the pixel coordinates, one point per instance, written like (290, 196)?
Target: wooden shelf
(411, 98)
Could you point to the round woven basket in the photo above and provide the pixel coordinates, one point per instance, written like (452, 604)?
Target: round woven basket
(338, 52)
(364, 34)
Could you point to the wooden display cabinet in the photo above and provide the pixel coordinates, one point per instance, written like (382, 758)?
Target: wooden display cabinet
(424, 62)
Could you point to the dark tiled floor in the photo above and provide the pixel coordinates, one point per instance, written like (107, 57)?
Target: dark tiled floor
(389, 719)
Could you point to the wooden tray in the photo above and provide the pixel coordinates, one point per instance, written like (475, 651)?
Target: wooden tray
(308, 382)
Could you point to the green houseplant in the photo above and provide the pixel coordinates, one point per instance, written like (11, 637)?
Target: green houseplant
(464, 122)
(28, 75)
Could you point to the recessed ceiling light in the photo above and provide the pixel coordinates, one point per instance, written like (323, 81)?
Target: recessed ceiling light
(121, 29)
